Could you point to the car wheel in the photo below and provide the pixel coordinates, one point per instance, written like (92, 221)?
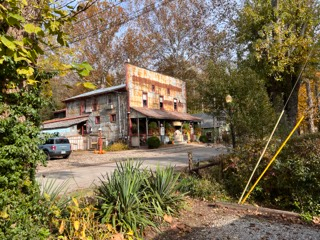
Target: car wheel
(66, 156)
(48, 155)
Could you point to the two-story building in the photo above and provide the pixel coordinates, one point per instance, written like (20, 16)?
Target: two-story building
(132, 111)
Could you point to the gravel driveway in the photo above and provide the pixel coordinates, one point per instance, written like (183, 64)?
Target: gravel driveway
(84, 168)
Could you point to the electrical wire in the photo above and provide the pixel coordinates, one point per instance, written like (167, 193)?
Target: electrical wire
(143, 11)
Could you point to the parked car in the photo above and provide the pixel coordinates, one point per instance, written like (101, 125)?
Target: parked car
(56, 147)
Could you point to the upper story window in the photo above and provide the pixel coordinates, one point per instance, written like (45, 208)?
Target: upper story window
(168, 91)
(95, 104)
(145, 99)
(82, 107)
(109, 99)
(161, 102)
(97, 120)
(153, 88)
(113, 117)
(175, 104)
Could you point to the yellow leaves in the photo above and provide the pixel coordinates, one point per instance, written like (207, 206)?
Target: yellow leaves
(75, 201)
(4, 214)
(27, 71)
(76, 225)
(62, 226)
(31, 28)
(8, 43)
(167, 218)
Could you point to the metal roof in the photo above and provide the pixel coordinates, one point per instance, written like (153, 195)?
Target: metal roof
(162, 114)
(97, 92)
(64, 122)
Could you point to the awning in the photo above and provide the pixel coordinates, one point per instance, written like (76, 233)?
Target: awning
(166, 115)
(64, 122)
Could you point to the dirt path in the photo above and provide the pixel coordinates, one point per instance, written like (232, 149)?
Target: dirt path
(206, 221)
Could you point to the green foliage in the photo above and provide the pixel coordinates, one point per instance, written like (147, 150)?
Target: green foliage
(153, 128)
(117, 146)
(153, 142)
(202, 188)
(291, 183)
(26, 26)
(186, 128)
(203, 139)
(276, 39)
(162, 191)
(131, 198)
(122, 198)
(250, 111)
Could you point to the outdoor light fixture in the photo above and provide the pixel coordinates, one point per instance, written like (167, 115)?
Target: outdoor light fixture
(228, 99)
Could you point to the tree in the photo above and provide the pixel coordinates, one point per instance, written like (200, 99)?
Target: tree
(250, 112)
(96, 42)
(277, 39)
(27, 28)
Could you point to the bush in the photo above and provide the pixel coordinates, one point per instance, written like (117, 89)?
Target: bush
(203, 139)
(200, 188)
(80, 222)
(118, 146)
(131, 198)
(293, 180)
(153, 142)
(162, 188)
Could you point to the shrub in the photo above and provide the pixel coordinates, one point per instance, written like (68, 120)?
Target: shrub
(122, 198)
(131, 198)
(153, 128)
(186, 128)
(293, 180)
(203, 138)
(118, 146)
(200, 188)
(80, 222)
(153, 142)
(162, 189)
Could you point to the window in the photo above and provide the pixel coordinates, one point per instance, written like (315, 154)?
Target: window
(109, 99)
(145, 100)
(97, 120)
(168, 91)
(113, 118)
(82, 104)
(153, 88)
(175, 106)
(95, 105)
(161, 102)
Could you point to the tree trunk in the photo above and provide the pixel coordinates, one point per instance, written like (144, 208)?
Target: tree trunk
(316, 91)
(310, 109)
(292, 107)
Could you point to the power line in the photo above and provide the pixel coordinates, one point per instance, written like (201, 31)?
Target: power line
(102, 11)
(143, 11)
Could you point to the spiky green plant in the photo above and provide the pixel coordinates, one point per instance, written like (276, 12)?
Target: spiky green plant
(162, 187)
(122, 198)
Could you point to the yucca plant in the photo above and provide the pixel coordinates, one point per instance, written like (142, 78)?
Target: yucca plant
(122, 198)
(162, 188)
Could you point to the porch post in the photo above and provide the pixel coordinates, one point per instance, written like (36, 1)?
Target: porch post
(138, 126)
(147, 130)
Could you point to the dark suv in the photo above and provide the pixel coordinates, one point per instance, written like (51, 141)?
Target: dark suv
(57, 147)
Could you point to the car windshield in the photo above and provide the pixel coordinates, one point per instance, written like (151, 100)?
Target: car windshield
(62, 140)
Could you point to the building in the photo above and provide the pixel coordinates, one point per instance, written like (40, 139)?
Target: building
(212, 126)
(131, 112)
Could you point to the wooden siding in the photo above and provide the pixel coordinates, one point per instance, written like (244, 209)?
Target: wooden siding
(141, 80)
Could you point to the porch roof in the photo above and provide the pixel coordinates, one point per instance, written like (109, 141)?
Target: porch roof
(64, 122)
(167, 115)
